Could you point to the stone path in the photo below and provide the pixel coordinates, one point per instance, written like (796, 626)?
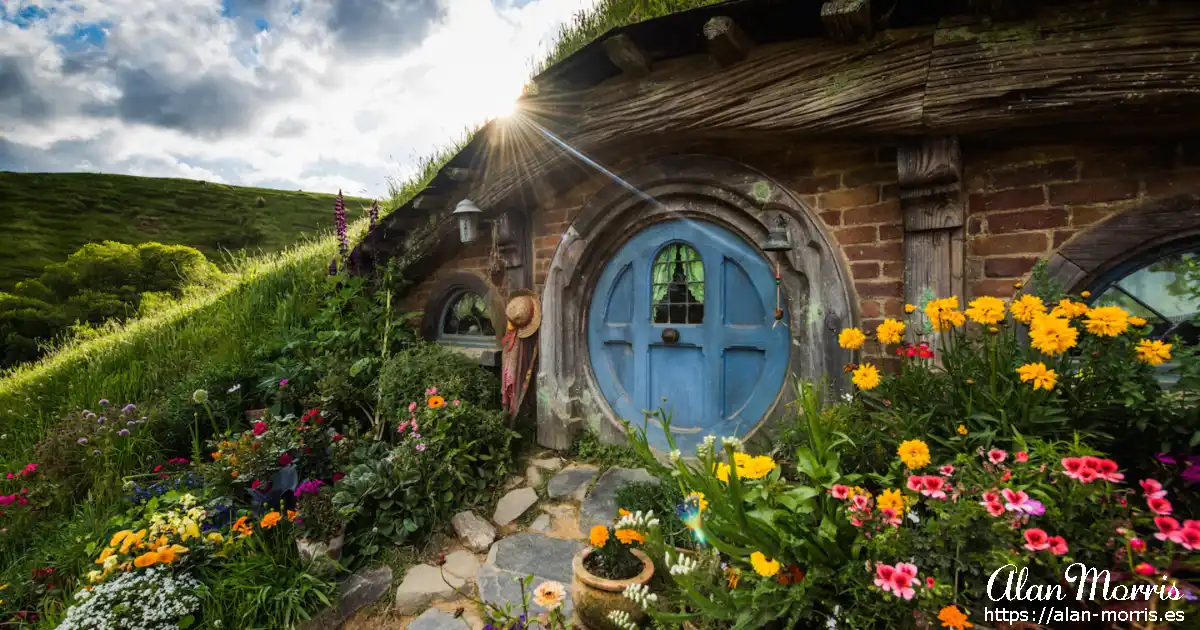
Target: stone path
(517, 544)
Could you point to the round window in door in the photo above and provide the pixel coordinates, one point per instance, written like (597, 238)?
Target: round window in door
(682, 319)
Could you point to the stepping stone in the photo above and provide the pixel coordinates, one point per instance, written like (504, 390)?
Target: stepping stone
(513, 482)
(600, 505)
(474, 531)
(540, 524)
(549, 463)
(424, 584)
(521, 555)
(564, 521)
(434, 619)
(462, 564)
(570, 480)
(362, 588)
(533, 476)
(513, 505)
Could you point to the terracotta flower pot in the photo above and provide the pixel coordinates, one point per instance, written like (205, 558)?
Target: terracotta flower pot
(313, 549)
(594, 597)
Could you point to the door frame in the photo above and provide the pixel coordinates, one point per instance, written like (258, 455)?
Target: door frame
(718, 190)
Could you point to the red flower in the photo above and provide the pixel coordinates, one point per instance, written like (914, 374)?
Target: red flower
(1036, 539)
(1153, 489)
(915, 483)
(285, 459)
(1108, 471)
(995, 508)
(1188, 537)
(1072, 467)
(1159, 506)
(924, 352)
(947, 470)
(1167, 527)
(337, 476)
(158, 468)
(996, 456)
(1137, 544)
(929, 582)
(1092, 462)
(1144, 569)
(1022, 457)
(1058, 545)
(338, 437)
(1006, 476)
(260, 427)
(931, 487)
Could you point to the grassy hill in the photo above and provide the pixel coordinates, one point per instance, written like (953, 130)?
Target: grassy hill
(47, 216)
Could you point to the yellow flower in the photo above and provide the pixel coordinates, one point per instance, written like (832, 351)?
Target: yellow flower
(1052, 335)
(1018, 285)
(1038, 375)
(549, 595)
(943, 314)
(952, 617)
(1153, 352)
(699, 496)
(722, 472)
(3, 586)
(914, 454)
(1136, 321)
(866, 376)
(598, 536)
(271, 519)
(753, 467)
(436, 402)
(851, 338)
(190, 530)
(132, 539)
(762, 565)
(890, 331)
(986, 310)
(216, 538)
(623, 512)
(1025, 308)
(962, 429)
(909, 308)
(1069, 310)
(145, 559)
(891, 499)
(118, 537)
(1086, 294)
(1107, 321)
(732, 577)
(629, 536)
(104, 555)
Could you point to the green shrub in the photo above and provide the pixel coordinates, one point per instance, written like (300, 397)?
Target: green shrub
(407, 375)
(664, 499)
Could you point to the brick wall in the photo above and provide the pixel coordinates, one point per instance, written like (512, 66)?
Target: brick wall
(473, 258)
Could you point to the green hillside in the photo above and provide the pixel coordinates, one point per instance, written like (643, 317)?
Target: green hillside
(47, 216)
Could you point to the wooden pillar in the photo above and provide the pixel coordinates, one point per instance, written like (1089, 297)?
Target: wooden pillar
(516, 249)
(932, 199)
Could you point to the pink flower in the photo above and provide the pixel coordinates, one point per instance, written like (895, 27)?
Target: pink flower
(455, 403)
(1007, 475)
(929, 582)
(283, 383)
(991, 497)
(1108, 471)
(1072, 466)
(839, 491)
(915, 483)
(1017, 501)
(996, 456)
(1058, 545)
(1022, 457)
(1159, 506)
(1137, 544)
(1036, 539)
(1153, 489)
(995, 508)
(432, 391)
(1189, 538)
(890, 517)
(932, 487)
(947, 470)
(902, 579)
(1088, 475)
(412, 406)
(1144, 569)
(860, 502)
(883, 576)
(8, 476)
(402, 427)
(260, 427)
(1091, 462)
(855, 521)
(1167, 527)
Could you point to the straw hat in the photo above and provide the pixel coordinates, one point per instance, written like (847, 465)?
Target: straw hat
(524, 312)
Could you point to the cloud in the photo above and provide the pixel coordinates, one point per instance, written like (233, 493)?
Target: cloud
(296, 94)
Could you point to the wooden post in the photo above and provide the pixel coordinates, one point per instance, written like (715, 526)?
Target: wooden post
(727, 42)
(515, 249)
(848, 20)
(626, 55)
(931, 197)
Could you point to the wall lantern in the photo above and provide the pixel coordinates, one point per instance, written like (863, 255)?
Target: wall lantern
(777, 236)
(467, 214)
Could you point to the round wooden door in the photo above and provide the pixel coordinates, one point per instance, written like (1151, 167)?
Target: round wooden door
(682, 319)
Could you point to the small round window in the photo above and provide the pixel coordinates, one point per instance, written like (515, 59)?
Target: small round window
(467, 316)
(1163, 289)
(677, 285)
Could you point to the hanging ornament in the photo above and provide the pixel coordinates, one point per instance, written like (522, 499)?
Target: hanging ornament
(778, 297)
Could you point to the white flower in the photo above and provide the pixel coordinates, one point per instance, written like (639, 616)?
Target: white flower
(640, 595)
(199, 396)
(622, 620)
(706, 445)
(236, 386)
(848, 397)
(684, 565)
(732, 442)
(675, 455)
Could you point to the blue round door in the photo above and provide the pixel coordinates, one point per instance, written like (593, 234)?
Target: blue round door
(683, 319)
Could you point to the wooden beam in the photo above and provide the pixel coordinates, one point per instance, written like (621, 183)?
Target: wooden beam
(427, 203)
(1004, 9)
(626, 55)
(727, 42)
(848, 20)
(458, 174)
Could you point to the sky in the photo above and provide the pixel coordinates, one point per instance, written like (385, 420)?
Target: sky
(314, 95)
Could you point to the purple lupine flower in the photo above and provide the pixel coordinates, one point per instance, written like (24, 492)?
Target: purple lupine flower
(374, 215)
(128, 408)
(101, 420)
(103, 402)
(339, 217)
(333, 266)
(82, 440)
(123, 433)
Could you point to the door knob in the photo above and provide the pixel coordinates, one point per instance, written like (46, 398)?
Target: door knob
(670, 335)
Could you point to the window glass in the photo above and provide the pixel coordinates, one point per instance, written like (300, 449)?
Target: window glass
(1165, 292)
(677, 285)
(467, 314)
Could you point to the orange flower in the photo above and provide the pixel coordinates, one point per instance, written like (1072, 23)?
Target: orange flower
(598, 536)
(145, 560)
(168, 554)
(952, 617)
(436, 402)
(271, 520)
(241, 527)
(235, 473)
(216, 455)
(733, 576)
(291, 514)
(629, 536)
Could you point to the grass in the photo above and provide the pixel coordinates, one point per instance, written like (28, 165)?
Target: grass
(47, 216)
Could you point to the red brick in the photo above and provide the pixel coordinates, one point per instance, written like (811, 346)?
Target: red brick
(1173, 182)
(1086, 215)
(1129, 162)
(877, 174)
(881, 251)
(888, 365)
(833, 217)
(851, 198)
(817, 184)
(893, 269)
(886, 212)
(868, 308)
(550, 240)
(1093, 191)
(1026, 220)
(840, 161)
(869, 325)
(1062, 236)
(854, 235)
(864, 270)
(893, 308)
(1007, 267)
(545, 252)
(998, 288)
(1013, 199)
(885, 288)
(552, 216)
(1035, 174)
(974, 225)
(889, 191)
(890, 232)
(1002, 244)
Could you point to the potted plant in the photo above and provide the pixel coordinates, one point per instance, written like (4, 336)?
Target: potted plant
(320, 526)
(611, 564)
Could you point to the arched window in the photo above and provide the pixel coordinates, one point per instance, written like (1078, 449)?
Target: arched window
(460, 312)
(677, 285)
(1161, 286)
(466, 318)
